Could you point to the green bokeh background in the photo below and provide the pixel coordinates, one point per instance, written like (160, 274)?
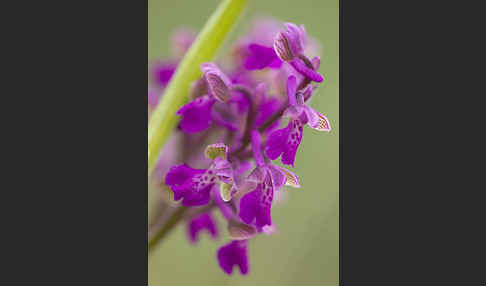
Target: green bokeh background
(305, 250)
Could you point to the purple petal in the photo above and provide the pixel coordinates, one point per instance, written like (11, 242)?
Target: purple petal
(283, 47)
(291, 89)
(200, 223)
(261, 57)
(257, 204)
(322, 123)
(277, 175)
(249, 205)
(233, 253)
(179, 174)
(219, 84)
(312, 116)
(257, 148)
(285, 141)
(296, 37)
(300, 66)
(277, 142)
(192, 195)
(190, 185)
(196, 115)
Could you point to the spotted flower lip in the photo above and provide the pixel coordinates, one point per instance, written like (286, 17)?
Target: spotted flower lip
(286, 141)
(234, 254)
(268, 178)
(194, 186)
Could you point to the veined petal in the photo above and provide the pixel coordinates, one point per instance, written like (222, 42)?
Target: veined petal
(291, 178)
(321, 123)
(240, 231)
(219, 84)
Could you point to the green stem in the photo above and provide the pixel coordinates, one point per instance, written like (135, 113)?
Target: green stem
(173, 220)
(163, 119)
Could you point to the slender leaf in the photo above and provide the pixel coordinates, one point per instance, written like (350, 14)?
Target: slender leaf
(204, 48)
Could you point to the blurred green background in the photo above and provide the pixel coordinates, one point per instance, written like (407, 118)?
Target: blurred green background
(305, 250)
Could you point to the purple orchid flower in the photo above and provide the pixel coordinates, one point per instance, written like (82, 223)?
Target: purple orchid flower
(289, 46)
(196, 115)
(234, 253)
(286, 141)
(199, 224)
(268, 178)
(194, 186)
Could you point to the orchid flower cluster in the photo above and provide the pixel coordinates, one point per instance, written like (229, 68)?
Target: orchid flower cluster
(229, 135)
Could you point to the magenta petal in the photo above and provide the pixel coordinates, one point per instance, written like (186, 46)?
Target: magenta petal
(261, 57)
(231, 254)
(179, 174)
(249, 205)
(257, 204)
(291, 90)
(191, 185)
(200, 223)
(191, 195)
(300, 66)
(277, 142)
(196, 115)
(285, 141)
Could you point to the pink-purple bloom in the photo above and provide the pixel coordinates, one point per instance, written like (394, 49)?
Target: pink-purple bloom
(268, 78)
(289, 46)
(285, 141)
(268, 178)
